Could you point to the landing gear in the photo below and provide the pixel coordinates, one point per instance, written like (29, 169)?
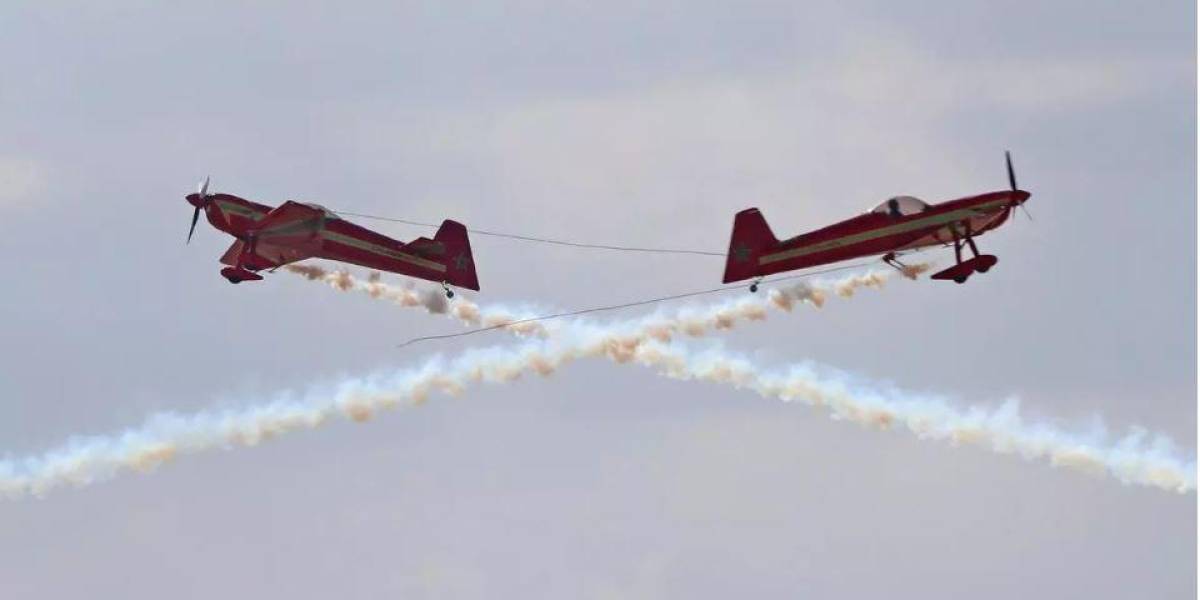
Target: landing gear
(983, 262)
(963, 269)
(754, 286)
(238, 274)
(449, 292)
(893, 262)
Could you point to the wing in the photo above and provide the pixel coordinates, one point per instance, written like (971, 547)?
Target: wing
(288, 233)
(292, 224)
(977, 222)
(266, 256)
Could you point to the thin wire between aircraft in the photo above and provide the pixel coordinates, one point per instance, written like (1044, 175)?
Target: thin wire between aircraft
(540, 240)
(596, 309)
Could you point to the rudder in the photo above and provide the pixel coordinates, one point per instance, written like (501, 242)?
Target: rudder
(751, 235)
(460, 264)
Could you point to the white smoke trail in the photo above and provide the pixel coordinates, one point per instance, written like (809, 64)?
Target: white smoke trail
(688, 320)
(1136, 458)
(432, 300)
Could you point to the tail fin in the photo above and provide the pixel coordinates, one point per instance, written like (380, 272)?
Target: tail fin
(751, 235)
(460, 265)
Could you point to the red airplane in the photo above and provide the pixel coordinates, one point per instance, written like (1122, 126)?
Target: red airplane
(899, 224)
(268, 238)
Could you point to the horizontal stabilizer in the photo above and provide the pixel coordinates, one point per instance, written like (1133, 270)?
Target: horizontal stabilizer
(427, 248)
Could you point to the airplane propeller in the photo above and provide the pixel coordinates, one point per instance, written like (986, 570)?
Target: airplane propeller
(1012, 183)
(203, 195)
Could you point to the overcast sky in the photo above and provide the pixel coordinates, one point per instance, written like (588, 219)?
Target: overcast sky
(607, 122)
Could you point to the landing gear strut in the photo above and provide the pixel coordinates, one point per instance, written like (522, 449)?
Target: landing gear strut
(893, 262)
(962, 278)
(979, 263)
(239, 272)
(449, 292)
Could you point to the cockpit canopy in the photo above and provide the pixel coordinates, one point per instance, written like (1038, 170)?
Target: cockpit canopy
(901, 206)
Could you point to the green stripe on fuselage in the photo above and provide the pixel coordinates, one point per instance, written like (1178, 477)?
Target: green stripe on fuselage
(382, 250)
(245, 211)
(897, 229)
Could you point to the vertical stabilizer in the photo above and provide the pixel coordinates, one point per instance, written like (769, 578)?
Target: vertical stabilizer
(751, 237)
(460, 264)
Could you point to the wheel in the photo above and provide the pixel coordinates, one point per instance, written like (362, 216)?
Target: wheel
(984, 263)
(753, 288)
(449, 294)
(960, 279)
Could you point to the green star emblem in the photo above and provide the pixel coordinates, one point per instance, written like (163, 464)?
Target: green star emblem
(741, 253)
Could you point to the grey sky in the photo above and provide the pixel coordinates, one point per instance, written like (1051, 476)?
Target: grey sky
(603, 122)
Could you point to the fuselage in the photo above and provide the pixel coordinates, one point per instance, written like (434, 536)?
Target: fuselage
(230, 214)
(879, 232)
(315, 232)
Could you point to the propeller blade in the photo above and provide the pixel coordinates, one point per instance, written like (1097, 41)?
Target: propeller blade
(195, 217)
(203, 191)
(1012, 182)
(1012, 177)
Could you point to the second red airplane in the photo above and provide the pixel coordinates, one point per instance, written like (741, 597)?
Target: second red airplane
(268, 238)
(901, 223)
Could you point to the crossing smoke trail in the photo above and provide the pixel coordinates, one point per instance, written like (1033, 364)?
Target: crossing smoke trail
(687, 321)
(87, 459)
(1137, 458)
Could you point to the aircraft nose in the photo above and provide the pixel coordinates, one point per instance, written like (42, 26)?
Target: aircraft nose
(1020, 196)
(194, 200)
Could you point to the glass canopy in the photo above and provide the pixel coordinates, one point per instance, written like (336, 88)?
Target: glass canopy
(901, 206)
